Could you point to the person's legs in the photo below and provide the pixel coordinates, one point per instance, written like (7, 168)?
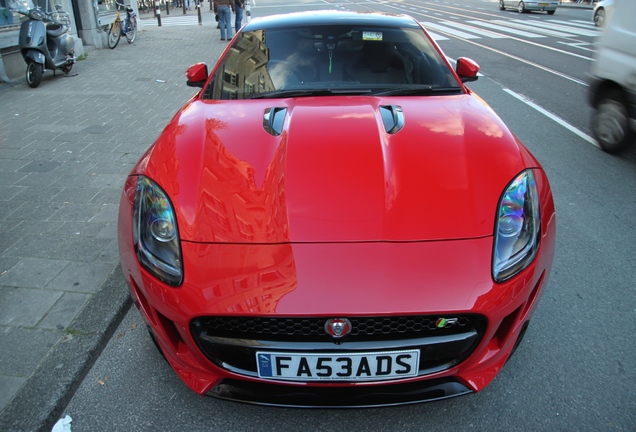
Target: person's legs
(238, 19)
(225, 17)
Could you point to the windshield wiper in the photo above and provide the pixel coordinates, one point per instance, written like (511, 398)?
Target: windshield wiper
(309, 92)
(420, 90)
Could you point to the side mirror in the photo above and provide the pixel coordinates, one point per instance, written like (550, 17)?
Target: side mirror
(196, 75)
(467, 69)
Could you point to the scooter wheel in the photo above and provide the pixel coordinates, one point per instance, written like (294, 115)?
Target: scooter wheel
(34, 74)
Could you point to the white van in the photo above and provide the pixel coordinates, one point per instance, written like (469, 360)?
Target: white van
(613, 80)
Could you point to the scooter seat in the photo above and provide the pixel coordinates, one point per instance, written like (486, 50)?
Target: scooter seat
(55, 30)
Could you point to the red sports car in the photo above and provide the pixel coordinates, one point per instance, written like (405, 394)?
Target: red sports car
(335, 219)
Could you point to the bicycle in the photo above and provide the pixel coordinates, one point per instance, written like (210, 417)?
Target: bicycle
(145, 6)
(115, 32)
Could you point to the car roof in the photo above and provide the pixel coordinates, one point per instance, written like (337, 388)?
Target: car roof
(331, 17)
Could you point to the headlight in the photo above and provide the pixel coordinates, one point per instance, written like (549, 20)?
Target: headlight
(36, 14)
(517, 229)
(155, 233)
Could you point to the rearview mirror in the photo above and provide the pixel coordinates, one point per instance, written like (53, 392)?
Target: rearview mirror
(196, 75)
(467, 69)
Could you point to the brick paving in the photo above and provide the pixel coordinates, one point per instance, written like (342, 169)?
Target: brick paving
(65, 150)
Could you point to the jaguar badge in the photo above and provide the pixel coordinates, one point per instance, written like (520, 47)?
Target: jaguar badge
(338, 327)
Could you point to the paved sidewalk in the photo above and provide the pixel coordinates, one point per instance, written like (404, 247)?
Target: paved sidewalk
(65, 150)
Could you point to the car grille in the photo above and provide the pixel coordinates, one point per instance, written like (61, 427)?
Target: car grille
(232, 342)
(313, 329)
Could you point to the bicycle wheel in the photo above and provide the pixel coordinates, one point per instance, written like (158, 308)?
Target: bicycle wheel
(132, 30)
(114, 33)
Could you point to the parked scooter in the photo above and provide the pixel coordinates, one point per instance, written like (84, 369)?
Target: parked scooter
(46, 43)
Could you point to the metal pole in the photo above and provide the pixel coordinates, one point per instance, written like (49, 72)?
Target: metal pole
(211, 4)
(158, 12)
(199, 12)
(167, 2)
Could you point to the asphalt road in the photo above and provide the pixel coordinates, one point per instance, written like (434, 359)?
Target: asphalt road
(575, 369)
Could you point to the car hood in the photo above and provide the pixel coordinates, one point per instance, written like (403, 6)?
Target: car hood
(334, 173)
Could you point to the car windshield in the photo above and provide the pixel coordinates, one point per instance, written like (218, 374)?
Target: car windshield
(331, 60)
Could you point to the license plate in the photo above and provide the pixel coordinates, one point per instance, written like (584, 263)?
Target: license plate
(544, 4)
(366, 366)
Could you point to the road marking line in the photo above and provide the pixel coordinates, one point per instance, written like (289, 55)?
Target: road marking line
(550, 26)
(547, 69)
(553, 117)
(588, 23)
(476, 30)
(174, 21)
(437, 36)
(450, 30)
(535, 29)
(506, 29)
(580, 45)
(576, 23)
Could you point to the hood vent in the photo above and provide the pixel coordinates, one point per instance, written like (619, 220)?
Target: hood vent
(392, 117)
(273, 120)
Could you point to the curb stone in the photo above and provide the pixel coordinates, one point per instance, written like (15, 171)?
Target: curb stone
(49, 389)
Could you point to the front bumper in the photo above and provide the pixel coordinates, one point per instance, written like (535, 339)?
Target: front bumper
(540, 6)
(344, 397)
(232, 343)
(378, 279)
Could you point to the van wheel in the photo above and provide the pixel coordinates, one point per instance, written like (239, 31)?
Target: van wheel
(610, 122)
(522, 7)
(34, 73)
(551, 12)
(501, 5)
